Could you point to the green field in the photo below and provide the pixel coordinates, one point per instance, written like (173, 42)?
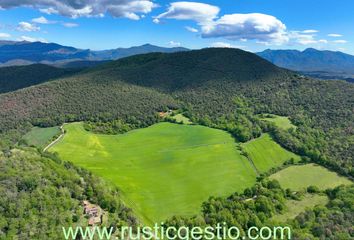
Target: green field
(163, 170)
(41, 137)
(300, 177)
(182, 119)
(266, 153)
(280, 121)
(294, 207)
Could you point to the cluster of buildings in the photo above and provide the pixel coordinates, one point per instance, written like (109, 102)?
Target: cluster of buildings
(93, 212)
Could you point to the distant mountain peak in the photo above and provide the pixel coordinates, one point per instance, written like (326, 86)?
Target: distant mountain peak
(147, 45)
(15, 53)
(311, 50)
(313, 60)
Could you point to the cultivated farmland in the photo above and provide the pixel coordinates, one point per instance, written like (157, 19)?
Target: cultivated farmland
(266, 153)
(163, 170)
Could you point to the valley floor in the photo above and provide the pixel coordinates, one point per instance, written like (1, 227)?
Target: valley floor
(163, 170)
(170, 169)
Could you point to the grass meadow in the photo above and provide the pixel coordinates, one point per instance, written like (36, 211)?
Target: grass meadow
(294, 208)
(182, 119)
(280, 121)
(266, 153)
(41, 137)
(302, 176)
(163, 170)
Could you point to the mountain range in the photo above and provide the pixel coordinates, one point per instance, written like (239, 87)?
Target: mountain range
(313, 62)
(25, 53)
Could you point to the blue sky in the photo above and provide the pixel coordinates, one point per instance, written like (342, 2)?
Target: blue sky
(253, 25)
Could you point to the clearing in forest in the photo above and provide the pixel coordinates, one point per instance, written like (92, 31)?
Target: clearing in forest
(300, 177)
(266, 153)
(180, 118)
(280, 121)
(163, 170)
(294, 207)
(41, 137)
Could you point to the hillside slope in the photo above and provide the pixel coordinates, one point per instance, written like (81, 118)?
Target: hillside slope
(81, 97)
(210, 79)
(207, 79)
(17, 77)
(119, 88)
(40, 195)
(173, 72)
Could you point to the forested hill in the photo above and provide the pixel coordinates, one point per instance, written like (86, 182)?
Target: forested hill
(206, 84)
(17, 77)
(140, 85)
(118, 88)
(190, 69)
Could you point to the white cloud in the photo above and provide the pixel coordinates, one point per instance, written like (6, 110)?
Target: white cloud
(335, 35)
(70, 25)
(323, 41)
(27, 27)
(174, 44)
(155, 20)
(48, 11)
(340, 41)
(253, 26)
(32, 39)
(199, 12)
(304, 39)
(262, 28)
(225, 45)
(310, 31)
(191, 29)
(5, 35)
(86, 8)
(42, 20)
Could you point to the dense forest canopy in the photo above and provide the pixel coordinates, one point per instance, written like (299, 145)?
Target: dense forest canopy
(41, 194)
(14, 78)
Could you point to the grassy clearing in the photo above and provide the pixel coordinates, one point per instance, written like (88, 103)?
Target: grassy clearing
(266, 153)
(163, 170)
(182, 119)
(41, 137)
(294, 207)
(281, 122)
(300, 177)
